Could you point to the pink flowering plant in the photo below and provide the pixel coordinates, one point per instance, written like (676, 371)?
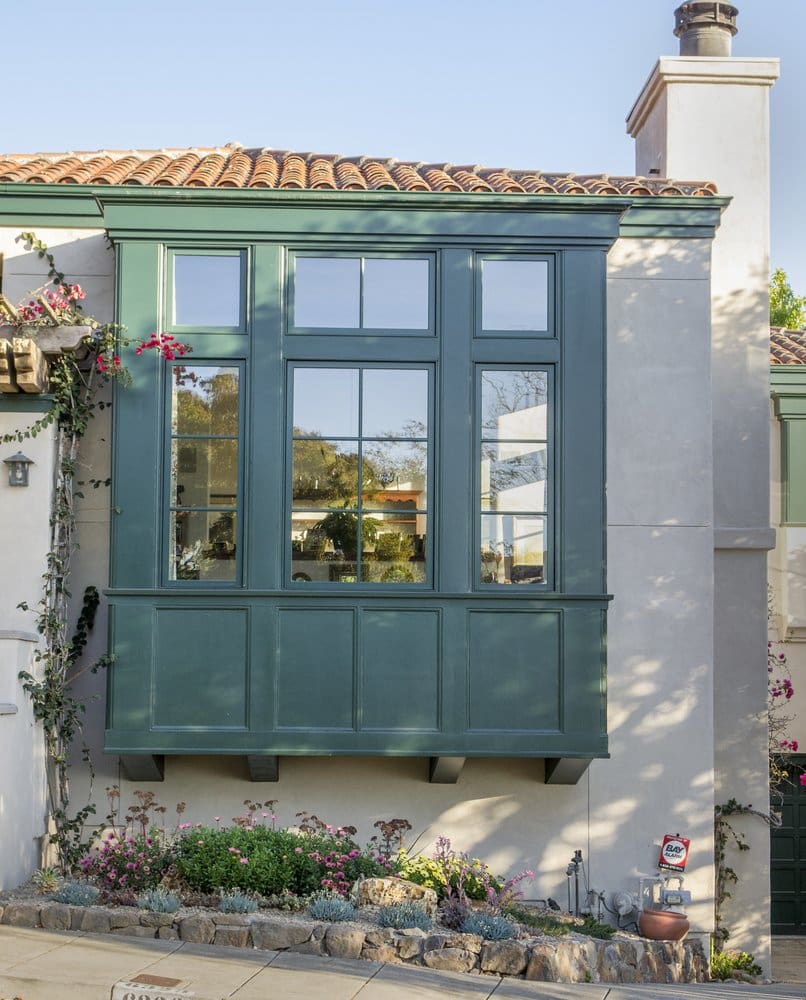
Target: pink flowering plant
(127, 863)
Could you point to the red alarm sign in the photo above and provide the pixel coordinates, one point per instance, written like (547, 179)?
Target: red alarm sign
(674, 853)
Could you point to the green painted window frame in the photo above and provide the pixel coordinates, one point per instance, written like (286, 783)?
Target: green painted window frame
(550, 536)
(335, 587)
(361, 254)
(551, 295)
(168, 506)
(174, 251)
(788, 387)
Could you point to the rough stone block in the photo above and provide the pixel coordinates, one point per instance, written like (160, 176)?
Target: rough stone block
(541, 965)
(156, 919)
(434, 942)
(76, 916)
(197, 930)
(380, 953)
(274, 933)
(124, 918)
(470, 942)
(389, 891)
(344, 942)
(507, 958)
(22, 914)
(96, 921)
(231, 919)
(136, 930)
(409, 948)
(311, 947)
(450, 959)
(384, 936)
(233, 937)
(55, 916)
(168, 933)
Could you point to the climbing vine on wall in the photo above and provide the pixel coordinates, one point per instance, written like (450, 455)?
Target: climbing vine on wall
(76, 382)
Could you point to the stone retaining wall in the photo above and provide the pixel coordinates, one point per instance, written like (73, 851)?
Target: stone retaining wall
(571, 959)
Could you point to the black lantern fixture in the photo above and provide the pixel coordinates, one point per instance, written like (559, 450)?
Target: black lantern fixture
(18, 469)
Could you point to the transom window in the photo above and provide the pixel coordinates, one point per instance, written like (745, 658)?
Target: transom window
(360, 293)
(514, 475)
(359, 496)
(514, 296)
(206, 290)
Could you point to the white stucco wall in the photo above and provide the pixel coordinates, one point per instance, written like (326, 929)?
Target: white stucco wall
(708, 119)
(660, 775)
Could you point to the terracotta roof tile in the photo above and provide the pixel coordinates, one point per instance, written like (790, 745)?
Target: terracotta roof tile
(787, 347)
(233, 166)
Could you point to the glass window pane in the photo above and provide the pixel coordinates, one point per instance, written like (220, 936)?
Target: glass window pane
(395, 293)
(325, 402)
(325, 473)
(204, 473)
(327, 291)
(207, 290)
(394, 475)
(203, 545)
(512, 549)
(324, 547)
(395, 403)
(394, 548)
(514, 405)
(205, 400)
(513, 477)
(514, 295)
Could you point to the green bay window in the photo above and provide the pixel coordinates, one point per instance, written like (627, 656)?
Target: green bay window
(376, 524)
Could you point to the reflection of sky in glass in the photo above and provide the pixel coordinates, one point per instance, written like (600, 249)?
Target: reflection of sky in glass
(395, 403)
(207, 290)
(326, 401)
(514, 295)
(326, 291)
(395, 294)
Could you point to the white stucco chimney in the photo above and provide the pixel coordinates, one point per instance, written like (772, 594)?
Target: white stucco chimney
(704, 115)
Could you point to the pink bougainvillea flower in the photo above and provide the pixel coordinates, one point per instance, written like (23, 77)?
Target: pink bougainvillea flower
(803, 779)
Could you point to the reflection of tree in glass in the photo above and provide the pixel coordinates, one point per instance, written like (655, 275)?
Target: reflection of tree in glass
(510, 391)
(324, 473)
(341, 527)
(206, 404)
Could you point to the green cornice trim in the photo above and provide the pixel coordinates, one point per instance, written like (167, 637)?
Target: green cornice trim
(788, 387)
(119, 208)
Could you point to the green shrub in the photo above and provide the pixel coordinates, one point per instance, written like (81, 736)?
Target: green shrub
(542, 922)
(724, 964)
(595, 928)
(489, 926)
(77, 894)
(159, 901)
(237, 902)
(260, 860)
(403, 915)
(441, 873)
(330, 906)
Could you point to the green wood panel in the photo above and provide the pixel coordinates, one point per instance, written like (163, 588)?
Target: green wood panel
(129, 679)
(400, 670)
(315, 668)
(794, 471)
(514, 670)
(200, 668)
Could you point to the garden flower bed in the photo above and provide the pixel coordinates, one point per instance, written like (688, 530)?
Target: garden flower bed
(313, 889)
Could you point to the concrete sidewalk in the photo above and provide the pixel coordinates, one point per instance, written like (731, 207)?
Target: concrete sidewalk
(61, 965)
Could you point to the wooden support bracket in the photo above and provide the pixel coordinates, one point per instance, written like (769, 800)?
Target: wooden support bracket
(566, 770)
(30, 365)
(8, 382)
(143, 767)
(263, 767)
(445, 770)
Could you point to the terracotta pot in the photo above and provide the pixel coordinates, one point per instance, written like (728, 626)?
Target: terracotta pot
(663, 925)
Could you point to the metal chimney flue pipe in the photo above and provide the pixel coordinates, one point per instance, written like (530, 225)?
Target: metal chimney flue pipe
(705, 27)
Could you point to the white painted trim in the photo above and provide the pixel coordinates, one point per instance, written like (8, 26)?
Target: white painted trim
(761, 72)
(16, 635)
(6, 708)
(744, 538)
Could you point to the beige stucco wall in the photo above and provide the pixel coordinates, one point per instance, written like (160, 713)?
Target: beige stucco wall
(660, 776)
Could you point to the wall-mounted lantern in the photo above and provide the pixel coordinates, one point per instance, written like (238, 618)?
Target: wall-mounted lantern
(18, 469)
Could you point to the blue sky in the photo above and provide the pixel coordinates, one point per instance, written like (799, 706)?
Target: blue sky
(519, 83)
